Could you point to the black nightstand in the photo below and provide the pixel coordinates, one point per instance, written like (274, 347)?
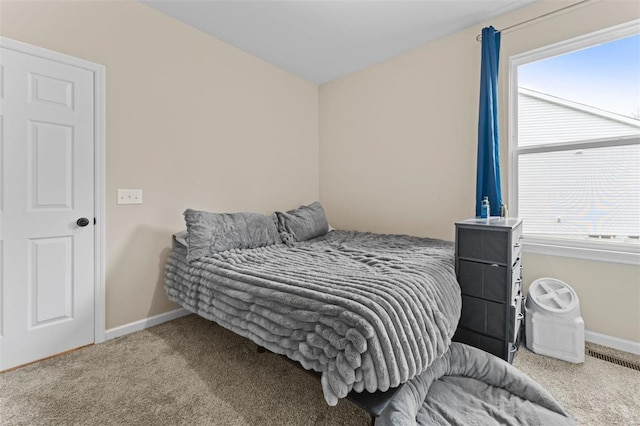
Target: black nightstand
(488, 268)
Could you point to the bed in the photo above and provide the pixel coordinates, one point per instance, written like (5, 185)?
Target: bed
(367, 311)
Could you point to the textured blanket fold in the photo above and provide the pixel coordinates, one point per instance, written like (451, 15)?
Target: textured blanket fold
(369, 311)
(467, 386)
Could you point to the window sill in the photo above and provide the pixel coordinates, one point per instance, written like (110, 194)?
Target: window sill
(627, 254)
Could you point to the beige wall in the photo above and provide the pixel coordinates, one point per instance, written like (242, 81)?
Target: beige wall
(190, 120)
(188, 116)
(609, 293)
(398, 149)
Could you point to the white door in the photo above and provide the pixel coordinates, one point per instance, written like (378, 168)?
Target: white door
(47, 184)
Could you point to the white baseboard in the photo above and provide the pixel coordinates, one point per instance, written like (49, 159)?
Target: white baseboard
(612, 342)
(122, 330)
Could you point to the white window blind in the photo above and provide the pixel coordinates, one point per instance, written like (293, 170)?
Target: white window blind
(593, 192)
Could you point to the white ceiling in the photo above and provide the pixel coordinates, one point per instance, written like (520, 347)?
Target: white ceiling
(321, 40)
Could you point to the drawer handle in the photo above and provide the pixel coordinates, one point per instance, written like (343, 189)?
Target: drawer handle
(513, 350)
(520, 316)
(495, 265)
(516, 245)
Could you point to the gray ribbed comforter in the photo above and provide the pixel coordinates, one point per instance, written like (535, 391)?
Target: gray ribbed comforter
(467, 386)
(369, 311)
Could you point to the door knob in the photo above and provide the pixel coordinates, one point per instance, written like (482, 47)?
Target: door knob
(83, 221)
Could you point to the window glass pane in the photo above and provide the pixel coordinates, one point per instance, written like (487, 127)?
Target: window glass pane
(582, 192)
(587, 94)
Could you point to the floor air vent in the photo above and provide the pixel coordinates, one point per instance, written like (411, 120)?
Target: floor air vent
(613, 359)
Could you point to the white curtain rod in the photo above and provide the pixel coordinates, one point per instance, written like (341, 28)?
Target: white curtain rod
(544, 15)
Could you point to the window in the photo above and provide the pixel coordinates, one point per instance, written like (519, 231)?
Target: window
(575, 146)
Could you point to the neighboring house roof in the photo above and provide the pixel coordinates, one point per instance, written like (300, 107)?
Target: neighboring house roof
(545, 118)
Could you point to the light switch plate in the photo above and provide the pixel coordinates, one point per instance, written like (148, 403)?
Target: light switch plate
(129, 196)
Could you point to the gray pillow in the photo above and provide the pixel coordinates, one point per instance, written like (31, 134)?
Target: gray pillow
(303, 223)
(211, 233)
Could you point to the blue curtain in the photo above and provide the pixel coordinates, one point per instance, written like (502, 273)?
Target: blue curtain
(488, 172)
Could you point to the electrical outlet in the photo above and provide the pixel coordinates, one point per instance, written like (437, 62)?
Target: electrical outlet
(129, 196)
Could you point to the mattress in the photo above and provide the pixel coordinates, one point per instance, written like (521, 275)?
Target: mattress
(368, 311)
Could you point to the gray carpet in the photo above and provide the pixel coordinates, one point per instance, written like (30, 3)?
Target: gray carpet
(596, 393)
(191, 371)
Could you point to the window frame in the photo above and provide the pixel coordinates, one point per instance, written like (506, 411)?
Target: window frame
(615, 252)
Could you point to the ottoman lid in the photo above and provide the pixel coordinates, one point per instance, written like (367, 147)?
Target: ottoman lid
(552, 295)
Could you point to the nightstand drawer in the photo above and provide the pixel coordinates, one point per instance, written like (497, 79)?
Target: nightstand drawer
(516, 278)
(516, 317)
(487, 344)
(485, 245)
(484, 316)
(488, 281)
(516, 243)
